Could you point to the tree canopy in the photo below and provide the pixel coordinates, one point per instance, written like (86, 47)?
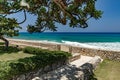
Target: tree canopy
(76, 13)
(8, 27)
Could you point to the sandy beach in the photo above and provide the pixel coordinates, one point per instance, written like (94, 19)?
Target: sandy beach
(81, 49)
(68, 43)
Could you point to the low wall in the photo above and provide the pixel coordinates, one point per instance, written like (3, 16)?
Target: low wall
(36, 73)
(112, 55)
(43, 45)
(73, 72)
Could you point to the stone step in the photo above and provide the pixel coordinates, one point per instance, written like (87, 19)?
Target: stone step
(74, 57)
(81, 69)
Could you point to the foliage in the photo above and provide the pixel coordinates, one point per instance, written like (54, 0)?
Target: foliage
(10, 49)
(38, 51)
(9, 69)
(9, 27)
(1, 43)
(76, 13)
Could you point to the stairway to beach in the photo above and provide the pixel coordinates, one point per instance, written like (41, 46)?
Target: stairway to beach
(80, 69)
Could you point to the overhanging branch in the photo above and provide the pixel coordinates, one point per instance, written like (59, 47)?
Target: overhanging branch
(25, 17)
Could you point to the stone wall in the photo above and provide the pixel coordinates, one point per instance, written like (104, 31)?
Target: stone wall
(60, 71)
(36, 73)
(73, 72)
(105, 54)
(44, 45)
(112, 55)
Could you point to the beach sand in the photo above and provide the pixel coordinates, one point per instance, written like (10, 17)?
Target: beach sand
(36, 43)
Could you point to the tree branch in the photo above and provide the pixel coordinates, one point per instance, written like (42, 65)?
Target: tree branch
(63, 8)
(25, 17)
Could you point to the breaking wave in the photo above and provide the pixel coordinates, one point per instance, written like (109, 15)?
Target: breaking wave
(112, 46)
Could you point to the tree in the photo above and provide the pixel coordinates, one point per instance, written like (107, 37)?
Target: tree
(76, 13)
(8, 27)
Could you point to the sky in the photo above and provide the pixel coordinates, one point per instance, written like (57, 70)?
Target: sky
(110, 21)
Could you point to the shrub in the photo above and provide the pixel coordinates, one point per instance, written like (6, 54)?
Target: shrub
(11, 49)
(38, 51)
(2, 43)
(43, 58)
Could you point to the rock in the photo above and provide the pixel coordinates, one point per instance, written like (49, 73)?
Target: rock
(22, 77)
(36, 78)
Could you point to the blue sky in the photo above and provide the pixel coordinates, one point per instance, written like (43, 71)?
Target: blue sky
(110, 21)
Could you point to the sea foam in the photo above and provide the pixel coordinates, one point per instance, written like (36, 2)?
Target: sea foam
(111, 46)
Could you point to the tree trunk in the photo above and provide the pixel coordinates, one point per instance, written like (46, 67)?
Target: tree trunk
(6, 42)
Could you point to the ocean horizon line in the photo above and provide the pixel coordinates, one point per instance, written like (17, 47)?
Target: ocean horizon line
(77, 32)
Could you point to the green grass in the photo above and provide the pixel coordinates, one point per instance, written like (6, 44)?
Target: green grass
(12, 53)
(108, 70)
(2, 43)
(13, 56)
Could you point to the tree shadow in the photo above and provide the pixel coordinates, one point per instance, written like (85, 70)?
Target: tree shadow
(11, 49)
(71, 72)
(87, 69)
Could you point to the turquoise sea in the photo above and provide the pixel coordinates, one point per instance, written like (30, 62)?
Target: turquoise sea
(105, 40)
(70, 36)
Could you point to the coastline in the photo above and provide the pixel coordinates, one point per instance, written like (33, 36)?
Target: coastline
(34, 41)
(104, 54)
(67, 43)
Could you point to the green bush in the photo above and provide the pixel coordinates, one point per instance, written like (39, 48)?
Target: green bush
(2, 43)
(43, 58)
(46, 53)
(11, 49)
(38, 51)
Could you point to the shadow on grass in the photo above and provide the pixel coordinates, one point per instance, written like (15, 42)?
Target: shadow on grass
(87, 69)
(11, 49)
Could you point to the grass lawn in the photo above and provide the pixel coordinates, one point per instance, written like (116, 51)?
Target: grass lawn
(12, 53)
(108, 70)
(13, 56)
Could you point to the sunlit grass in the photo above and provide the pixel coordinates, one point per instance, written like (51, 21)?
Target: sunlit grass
(12, 53)
(13, 56)
(108, 70)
